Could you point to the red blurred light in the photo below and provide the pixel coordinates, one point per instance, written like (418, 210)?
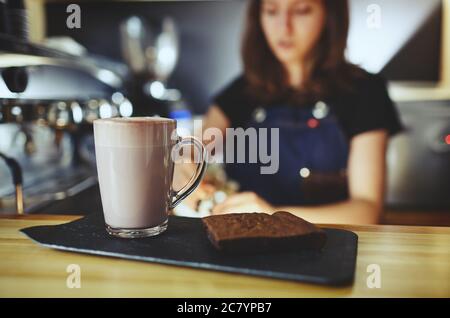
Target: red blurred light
(312, 123)
(447, 139)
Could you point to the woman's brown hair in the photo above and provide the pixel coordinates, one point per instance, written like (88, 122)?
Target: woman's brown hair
(328, 70)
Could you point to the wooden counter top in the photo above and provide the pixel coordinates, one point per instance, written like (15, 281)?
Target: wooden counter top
(414, 262)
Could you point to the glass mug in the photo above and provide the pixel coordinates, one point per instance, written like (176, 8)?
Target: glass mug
(135, 171)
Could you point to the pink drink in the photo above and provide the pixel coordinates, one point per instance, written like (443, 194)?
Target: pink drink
(135, 172)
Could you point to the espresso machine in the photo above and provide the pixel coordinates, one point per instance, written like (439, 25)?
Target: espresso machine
(51, 92)
(49, 97)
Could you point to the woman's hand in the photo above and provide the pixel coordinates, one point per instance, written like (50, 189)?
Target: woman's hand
(243, 202)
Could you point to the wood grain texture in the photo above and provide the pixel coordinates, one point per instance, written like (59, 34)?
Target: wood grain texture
(414, 262)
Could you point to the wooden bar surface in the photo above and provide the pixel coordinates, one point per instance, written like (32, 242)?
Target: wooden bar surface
(413, 262)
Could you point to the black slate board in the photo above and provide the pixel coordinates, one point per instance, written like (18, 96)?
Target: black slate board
(185, 244)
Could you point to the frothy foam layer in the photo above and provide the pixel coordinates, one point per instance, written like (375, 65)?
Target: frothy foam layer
(134, 132)
(135, 120)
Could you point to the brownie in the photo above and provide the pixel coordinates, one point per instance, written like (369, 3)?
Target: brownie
(248, 233)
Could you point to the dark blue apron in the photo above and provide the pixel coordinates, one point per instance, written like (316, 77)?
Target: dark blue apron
(313, 154)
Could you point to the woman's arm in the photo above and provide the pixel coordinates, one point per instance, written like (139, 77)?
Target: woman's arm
(366, 176)
(214, 118)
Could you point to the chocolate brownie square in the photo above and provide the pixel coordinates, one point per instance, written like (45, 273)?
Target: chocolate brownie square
(246, 233)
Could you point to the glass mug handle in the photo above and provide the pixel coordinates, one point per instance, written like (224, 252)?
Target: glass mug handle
(193, 183)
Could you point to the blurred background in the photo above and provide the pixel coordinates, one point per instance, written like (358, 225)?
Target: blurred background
(60, 71)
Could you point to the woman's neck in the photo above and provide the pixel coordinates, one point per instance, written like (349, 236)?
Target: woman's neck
(296, 73)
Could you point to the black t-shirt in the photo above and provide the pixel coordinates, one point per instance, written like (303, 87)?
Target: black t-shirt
(367, 108)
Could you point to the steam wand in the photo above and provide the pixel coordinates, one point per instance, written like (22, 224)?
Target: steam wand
(16, 172)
